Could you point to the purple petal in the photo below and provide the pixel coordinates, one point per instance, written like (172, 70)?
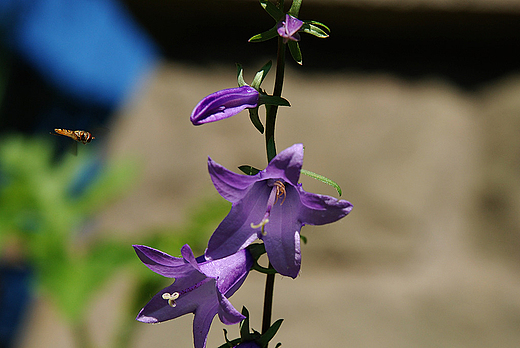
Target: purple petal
(187, 254)
(158, 309)
(321, 209)
(227, 313)
(162, 263)
(230, 185)
(282, 235)
(202, 321)
(287, 165)
(223, 104)
(230, 271)
(235, 232)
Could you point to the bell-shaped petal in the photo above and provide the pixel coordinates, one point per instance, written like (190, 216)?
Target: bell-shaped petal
(289, 27)
(201, 287)
(223, 104)
(270, 205)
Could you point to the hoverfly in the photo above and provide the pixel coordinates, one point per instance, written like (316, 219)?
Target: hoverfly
(79, 136)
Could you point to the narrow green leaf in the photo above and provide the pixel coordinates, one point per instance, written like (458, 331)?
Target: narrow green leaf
(260, 75)
(266, 35)
(273, 11)
(272, 100)
(255, 119)
(322, 179)
(314, 30)
(295, 8)
(248, 170)
(240, 75)
(319, 24)
(294, 48)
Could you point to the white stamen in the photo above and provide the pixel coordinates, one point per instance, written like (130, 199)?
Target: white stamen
(171, 298)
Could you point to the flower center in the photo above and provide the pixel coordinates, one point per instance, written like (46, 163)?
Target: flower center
(280, 191)
(175, 295)
(277, 192)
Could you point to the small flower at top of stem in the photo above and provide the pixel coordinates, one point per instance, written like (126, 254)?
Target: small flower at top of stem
(289, 27)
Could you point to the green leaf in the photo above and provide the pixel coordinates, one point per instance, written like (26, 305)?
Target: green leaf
(248, 170)
(294, 48)
(295, 8)
(260, 75)
(319, 24)
(314, 30)
(322, 179)
(266, 35)
(240, 76)
(273, 11)
(269, 334)
(304, 239)
(255, 119)
(272, 100)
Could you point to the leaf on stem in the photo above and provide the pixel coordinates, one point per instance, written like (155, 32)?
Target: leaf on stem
(322, 179)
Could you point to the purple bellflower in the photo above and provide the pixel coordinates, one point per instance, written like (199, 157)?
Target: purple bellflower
(272, 206)
(288, 28)
(201, 287)
(223, 104)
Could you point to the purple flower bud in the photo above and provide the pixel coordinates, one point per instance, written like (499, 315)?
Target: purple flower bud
(288, 28)
(223, 104)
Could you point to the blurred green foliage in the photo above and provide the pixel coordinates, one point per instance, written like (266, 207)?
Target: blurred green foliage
(38, 210)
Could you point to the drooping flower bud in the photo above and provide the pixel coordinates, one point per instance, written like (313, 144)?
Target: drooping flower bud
(223, 104)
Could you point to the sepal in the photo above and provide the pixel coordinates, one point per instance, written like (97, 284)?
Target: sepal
(269, 334)
(260, 75)
(240, 75)
(250, 337)
(255, 119)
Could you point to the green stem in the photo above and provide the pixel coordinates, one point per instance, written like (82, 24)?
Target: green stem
(271, 153)
(268, 301)
(271, 110)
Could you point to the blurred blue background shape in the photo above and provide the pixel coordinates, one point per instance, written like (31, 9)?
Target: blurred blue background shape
(63, 64)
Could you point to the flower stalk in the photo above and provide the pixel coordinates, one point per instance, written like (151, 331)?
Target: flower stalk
(271, 110)
(270, 123)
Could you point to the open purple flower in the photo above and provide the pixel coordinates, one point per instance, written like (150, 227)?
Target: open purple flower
(288, 28)
(201, 287)
(223, 104)
(272, 206)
